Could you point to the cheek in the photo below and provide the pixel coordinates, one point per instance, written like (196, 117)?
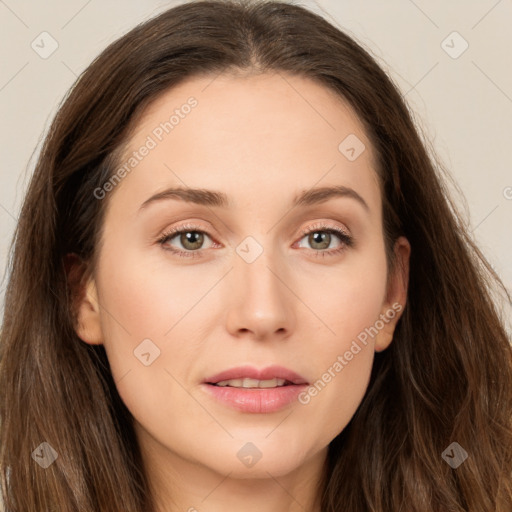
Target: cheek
(343, 364)
(137, 309)
(348, 299)
(349, 304)
(152, 316)
(143, 296)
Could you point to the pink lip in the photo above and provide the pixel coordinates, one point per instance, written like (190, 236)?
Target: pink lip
(256, 400)
(241, 372)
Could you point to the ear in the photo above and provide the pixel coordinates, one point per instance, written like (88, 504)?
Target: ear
(396, 295)
(84, 298)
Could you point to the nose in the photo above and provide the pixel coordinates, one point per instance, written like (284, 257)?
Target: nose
(261, 304)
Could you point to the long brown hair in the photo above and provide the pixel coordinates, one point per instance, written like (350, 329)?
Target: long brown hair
(447, 376)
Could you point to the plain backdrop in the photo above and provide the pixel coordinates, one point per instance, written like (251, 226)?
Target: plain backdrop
(451, 61)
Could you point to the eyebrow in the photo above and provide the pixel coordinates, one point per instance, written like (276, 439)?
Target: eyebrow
(219, 199)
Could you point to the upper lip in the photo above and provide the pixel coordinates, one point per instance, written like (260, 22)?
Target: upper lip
(267, 373)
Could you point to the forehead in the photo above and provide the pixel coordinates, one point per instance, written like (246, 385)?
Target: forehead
(269, 134)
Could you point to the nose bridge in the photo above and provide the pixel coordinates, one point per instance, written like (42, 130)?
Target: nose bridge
(256, 268)
(261, 300)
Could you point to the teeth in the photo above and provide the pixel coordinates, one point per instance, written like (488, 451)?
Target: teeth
(252, 383)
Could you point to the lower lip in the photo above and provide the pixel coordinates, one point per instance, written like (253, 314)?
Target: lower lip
(256, 400)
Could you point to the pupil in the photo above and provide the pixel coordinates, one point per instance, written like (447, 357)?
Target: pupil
(188, 238)
(322, 239)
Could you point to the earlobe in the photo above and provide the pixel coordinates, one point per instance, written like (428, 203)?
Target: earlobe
(84, 301)
(396, 296)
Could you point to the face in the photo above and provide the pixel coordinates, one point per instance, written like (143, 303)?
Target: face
(188, 287)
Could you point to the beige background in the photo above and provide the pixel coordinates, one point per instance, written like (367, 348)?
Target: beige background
(464, 104)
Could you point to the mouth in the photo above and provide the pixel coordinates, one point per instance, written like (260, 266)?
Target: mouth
(248, 377)
(248, 389)
(247, 383)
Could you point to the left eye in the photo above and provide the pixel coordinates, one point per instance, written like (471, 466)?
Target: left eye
(324, 237)
(191, 240)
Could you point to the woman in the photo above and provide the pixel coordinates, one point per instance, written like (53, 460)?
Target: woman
(237, 282)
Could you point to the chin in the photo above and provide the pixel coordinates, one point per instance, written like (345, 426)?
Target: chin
(261, 470)
(259, 458)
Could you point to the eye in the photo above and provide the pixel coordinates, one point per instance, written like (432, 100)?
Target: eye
(190, 237)
(320, 237)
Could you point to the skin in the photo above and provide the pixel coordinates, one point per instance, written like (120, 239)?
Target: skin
(261, 140)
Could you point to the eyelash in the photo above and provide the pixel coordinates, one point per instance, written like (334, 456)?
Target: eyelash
(347, 240)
